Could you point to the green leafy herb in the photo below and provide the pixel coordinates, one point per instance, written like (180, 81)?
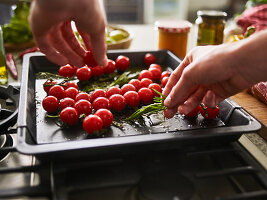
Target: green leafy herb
(124, 78)
(149, 109)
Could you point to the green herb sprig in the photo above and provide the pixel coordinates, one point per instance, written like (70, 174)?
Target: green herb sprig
(149, 109)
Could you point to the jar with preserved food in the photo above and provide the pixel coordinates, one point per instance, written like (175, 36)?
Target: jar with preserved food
(210, 27)
(173, 36)
(3, 69)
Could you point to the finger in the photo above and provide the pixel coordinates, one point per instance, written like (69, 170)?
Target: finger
(193, 101)
(51, 53)
(58, 42)
(175, 76)
(71, 39)
(86, 39)
(169, 113)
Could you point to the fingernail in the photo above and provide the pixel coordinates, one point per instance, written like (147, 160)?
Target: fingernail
(167, 101)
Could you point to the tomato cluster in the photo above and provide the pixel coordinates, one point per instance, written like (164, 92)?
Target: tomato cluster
(207, 113)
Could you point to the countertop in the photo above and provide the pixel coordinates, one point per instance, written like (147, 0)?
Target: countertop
(145, 38)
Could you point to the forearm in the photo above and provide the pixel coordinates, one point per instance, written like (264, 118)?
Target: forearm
(250, 56)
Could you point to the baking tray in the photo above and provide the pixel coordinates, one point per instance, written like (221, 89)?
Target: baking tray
(41, 137)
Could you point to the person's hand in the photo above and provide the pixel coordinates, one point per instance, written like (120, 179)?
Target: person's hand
(51, 26)
(209, 74)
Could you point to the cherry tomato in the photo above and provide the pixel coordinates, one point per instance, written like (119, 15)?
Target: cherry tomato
(164, 81)
(117, 102)
(66, 71)
(48, 84)
(69, 115)
(165, 73)
(145, 82)
(66, 102)
(97, 93)
(146, 95)
(194, 112)
(156, 73)
(136, 83)
(156, 87)
(155, 66)
(89, 59)
(70, 84)
(101, 102)
(106, 116)
(113, 90)
(209, 113)
(127, 87)
(111, 67)
(84, 73)
(132, 98)
(50, 103)
(92, 123)
(83, 107)
(145, 74)
(97, 70)
(57, 91)
(122, 62)
(71, 92)
(83, 95)
(149, 58)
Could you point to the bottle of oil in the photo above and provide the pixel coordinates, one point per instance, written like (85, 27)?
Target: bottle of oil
(3, 69)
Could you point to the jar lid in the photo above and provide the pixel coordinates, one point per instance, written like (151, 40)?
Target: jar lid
(173, 26)
(211, 13)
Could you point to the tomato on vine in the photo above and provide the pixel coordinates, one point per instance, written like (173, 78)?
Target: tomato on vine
(84, 73)
(57, 91)
(66, 102)
(83, 107)
(98, 93)
(92, 123)
(66, 71)
(101, 102)
(106, 116)
(122, 63)
(83, 95)
(146, 95)
(50, 103)
(194, 112)
(209, 113)
(69, 115)
(132, 98)
(149, 58)
(71, 92)
(136, 83)
(127, 87)
(117, 102)
(113, 90)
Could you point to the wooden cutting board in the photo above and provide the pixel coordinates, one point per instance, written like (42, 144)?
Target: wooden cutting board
(255, 107)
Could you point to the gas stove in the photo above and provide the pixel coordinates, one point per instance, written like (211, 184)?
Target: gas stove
(221, 171)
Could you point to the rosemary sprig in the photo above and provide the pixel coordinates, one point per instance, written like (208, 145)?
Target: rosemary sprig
(149, 109)
(48, 75)
(124, 78)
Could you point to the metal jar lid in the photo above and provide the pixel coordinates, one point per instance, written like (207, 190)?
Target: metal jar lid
(173, 26)
(212, 14)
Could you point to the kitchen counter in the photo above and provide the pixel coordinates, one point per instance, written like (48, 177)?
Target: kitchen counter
(145, 38)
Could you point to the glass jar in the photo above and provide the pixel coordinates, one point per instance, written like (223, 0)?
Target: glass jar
(173, 36)
(3, 69)
(210, 27)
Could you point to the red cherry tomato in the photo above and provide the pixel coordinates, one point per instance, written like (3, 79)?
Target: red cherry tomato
(146, 95)
(83, 95)
(101, 102)
(92, 123)
(122, 63)
(70, 84)
(209, 113)
(117, 102)
(89, 59)
(145, 74)
(111, 67)
(113, 90)
(156, 87)
(57, 91)
(83, 107)
(97, 70)
(127, 87)
(97, 93)
(145, 82)
(194, 112)
(155, 66)
(164, 81)
(156, 73)
(164, 74)
(132, 98)
(69, 115)
(48, 84)
(71, 92)
(66, 102)
(136, 83)
(149, 58)
(84, 73)
(66, 71)
(50, 103)
(106, 116)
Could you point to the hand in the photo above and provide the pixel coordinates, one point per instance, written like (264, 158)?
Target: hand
(51, 26)
(209, 74)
